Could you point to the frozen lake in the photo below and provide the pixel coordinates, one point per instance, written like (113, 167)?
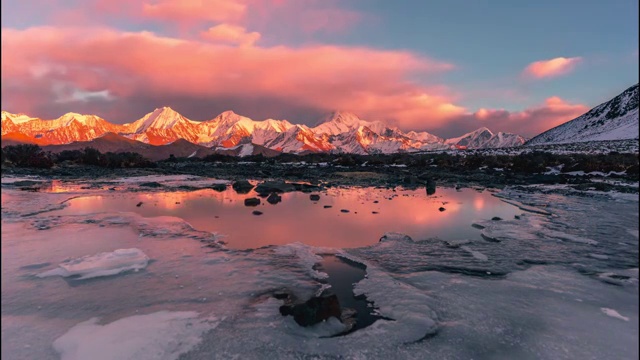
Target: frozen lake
(556, 277)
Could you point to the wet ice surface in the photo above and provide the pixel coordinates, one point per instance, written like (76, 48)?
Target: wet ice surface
(530, 288)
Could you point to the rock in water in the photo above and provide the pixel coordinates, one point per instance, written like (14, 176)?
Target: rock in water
(221, 187)
(251, 202)
(268, 187)
(242, 186)
(431, 187)
(274, 198)
(314, 197)
(139, 204)
(256, 212)
(442, 209)
(314, 310)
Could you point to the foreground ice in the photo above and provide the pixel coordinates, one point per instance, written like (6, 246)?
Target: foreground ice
(103, 264)
(160, 335)
(537, 293)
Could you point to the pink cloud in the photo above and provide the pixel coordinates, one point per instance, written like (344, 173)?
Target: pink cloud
(231, 34)
(552, 67)
(195, 10)
(529, 122)
(129, 64)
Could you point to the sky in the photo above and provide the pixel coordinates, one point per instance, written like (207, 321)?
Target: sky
(443, 66)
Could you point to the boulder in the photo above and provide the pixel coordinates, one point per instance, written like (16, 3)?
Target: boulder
(251, 202)
(256, 212)
(220, 187)
(314, 197)
(242, 186)
(268, 187)
(274, 198)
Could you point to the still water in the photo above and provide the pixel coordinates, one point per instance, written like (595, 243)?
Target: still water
(342, 218)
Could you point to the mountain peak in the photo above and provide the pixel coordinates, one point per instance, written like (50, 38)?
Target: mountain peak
(160, 118)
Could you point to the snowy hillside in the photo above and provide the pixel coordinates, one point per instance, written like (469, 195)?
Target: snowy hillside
(617, 119)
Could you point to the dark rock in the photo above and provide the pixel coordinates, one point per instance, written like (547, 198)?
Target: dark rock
(517, 217)
(374, 212)
(314, 310)
(220, 187)
(269, 187)
(306, 187)
(375, 201)
(431, 187)
(477, 226)
(442, 209)
(411, 180)
(344, 210)
(256, 212)
(242, 186)
(328, 206)
(251, 202)
(314, 197)
(151, 184)
(496, 218)
(274, 198)
(139, 204)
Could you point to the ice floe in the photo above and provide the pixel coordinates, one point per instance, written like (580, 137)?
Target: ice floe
(161, 335)
(614, 314)
(102, 264)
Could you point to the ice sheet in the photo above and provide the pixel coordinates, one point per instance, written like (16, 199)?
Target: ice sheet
(102, 264)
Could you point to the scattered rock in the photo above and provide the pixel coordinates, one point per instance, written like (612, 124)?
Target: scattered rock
(344, 210)
(431, 187)
(496, 218)
(328, 206)
(251, 202)
(221, 187)
(375, 201)
(314, 197)
(151, 184)
(242, 186)
(274, 198)
(268, 187)
(256, 212)
(374, 212)
(314, 310)
(139, 204)
(442, 209)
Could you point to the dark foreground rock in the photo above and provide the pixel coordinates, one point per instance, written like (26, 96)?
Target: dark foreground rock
(251, 202)
(274, 198)
(268, 187)
(256, 212)
(314, 310)
(242, 186)
(314, 197)
(220, 187)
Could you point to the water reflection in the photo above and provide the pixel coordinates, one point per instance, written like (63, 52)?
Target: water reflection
(298, 219)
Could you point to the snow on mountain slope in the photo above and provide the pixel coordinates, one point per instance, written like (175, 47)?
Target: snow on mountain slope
(483, 138)
(616, 119)
(16, 118)
(341, 132)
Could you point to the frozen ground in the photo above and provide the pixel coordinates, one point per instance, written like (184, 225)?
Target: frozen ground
(559, 281)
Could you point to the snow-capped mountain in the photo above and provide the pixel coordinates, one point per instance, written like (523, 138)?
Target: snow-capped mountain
(616, 119)
(340, 132)
(483, 138)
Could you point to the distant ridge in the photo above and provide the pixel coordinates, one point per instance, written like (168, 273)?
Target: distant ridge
(339, 132)
(616, 119)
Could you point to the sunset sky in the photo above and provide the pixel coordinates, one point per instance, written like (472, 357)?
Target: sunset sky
(443, 66)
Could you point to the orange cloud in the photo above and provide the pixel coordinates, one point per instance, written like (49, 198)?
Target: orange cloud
(372, 83)
(529, 122)
(231, 34)
(552, 68)
(195, 10)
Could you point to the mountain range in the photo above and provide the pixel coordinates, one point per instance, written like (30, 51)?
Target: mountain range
(339, 132)
(165, 131)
